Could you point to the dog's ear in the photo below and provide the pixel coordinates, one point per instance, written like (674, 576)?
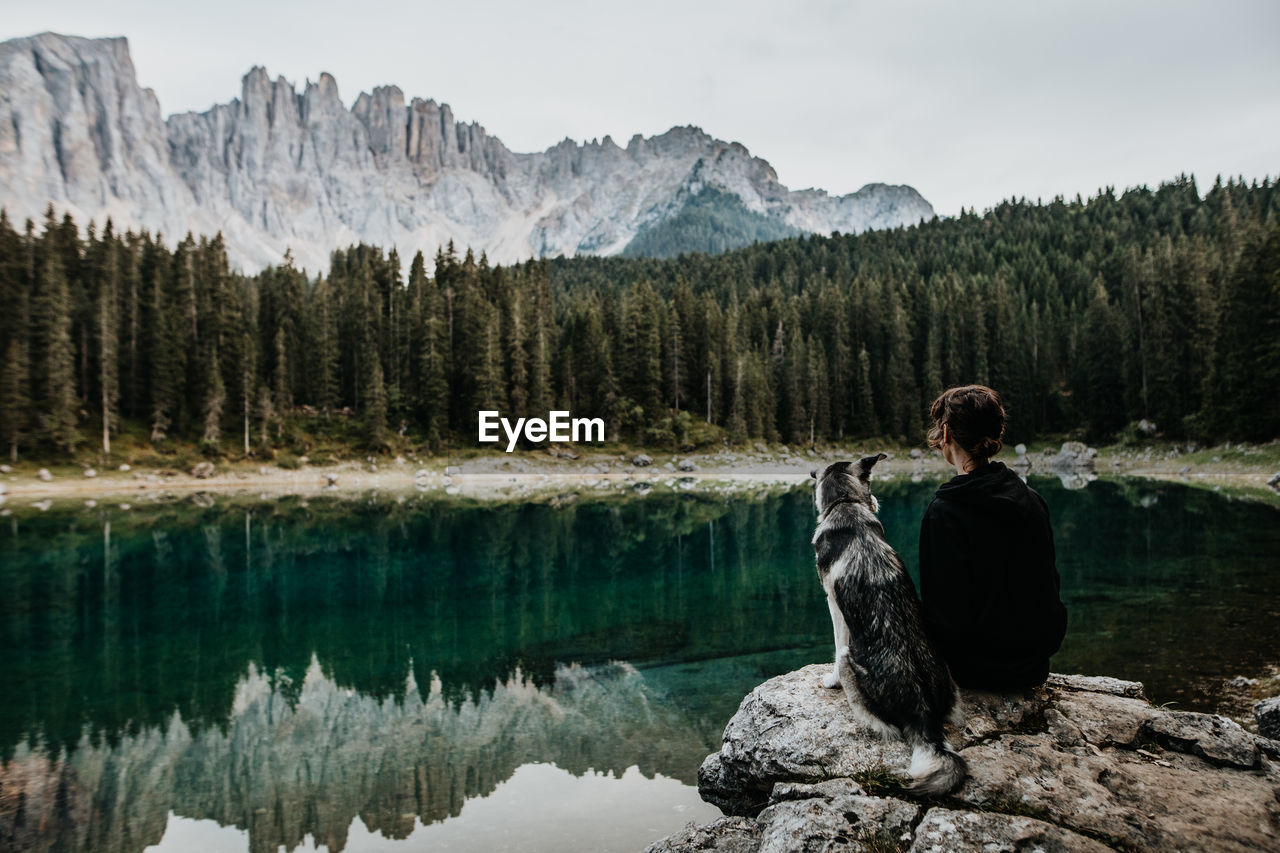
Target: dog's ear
(866, 463)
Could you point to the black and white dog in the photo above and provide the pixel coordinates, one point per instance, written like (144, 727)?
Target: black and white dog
(892, 675)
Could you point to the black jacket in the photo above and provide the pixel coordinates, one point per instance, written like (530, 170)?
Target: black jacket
(988, 582)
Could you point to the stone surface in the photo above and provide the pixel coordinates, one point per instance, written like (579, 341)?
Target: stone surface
(642, 460)
(1080, 763)
(202, 470)
(1268, 714)
(947, 831)
(279, 168)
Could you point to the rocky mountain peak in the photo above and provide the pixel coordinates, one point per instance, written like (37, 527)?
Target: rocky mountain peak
(277, 169)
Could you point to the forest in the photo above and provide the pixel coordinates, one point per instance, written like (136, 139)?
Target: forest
(1089, 316)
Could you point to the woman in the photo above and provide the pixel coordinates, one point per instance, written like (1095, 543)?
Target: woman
(988, 582)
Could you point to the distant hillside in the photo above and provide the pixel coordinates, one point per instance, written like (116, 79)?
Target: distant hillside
(709, 222)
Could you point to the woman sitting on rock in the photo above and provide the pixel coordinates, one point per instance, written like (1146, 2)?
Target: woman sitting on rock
(988, 582)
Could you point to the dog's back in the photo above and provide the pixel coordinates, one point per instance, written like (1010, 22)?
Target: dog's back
(890, 667)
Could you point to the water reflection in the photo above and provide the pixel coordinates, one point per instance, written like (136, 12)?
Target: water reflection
(317, 669)
(288, 768)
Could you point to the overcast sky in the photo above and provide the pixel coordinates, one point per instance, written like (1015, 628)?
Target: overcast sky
(969, 102)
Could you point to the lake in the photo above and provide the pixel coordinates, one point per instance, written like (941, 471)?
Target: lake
(420, 672)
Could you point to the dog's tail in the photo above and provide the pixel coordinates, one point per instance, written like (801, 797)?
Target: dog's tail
(936, 768)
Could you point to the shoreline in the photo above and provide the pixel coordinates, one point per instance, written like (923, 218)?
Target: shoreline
(533, 474)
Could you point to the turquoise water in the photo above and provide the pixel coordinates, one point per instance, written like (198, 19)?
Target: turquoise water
(432, 673)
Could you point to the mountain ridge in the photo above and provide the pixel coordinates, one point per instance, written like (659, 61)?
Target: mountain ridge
(277, 168)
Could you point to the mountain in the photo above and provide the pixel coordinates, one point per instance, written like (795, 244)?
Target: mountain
(276, 169)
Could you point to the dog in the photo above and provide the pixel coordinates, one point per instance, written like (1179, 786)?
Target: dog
(891, 673)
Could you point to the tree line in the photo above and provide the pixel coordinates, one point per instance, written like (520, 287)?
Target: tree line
(1088, 316)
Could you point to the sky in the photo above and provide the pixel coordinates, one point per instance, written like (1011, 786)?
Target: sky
(968, 102)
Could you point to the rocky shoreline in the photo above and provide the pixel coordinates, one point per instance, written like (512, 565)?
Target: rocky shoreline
(534, 473)
(1078, 764)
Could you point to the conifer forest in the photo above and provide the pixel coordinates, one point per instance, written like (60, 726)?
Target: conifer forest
(1088, 316)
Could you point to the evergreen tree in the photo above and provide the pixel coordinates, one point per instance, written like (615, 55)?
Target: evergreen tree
(56, 367)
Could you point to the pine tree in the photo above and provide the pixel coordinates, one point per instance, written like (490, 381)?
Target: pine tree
(56, 368)
(108, 304)
(15, 340)
(214, 401)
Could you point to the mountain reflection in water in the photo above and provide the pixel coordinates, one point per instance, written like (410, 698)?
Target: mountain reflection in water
(305, 669)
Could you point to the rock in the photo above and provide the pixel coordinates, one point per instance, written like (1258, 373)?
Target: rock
(5, 469)
(948, 831)
(1074, 455)
(421, 474)
(1274, 482)
(726, 835)
(1147, 427)
(687, 465)
(1267, 713)
(44, 475)
(331, 479)
(452, 470)
(90, 473)
(641, 460)
(760, 448)
(1020, 449)
(670, 466)
(124, 466)
(43, 505)
(1059, 767)
(917, 453)
(202, 470)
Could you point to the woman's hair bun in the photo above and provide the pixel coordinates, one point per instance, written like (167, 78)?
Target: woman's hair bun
(976, 417)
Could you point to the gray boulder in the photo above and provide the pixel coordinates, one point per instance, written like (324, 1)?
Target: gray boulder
(1268, 714)
(202, 470)
(687, 465)
(1080, 763)
(1074, 456)
(642, 460)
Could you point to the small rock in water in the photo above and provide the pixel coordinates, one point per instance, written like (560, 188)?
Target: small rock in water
(89, 472)
(917, 453)
(687, 465)
(124, 466)
(451, 490)
(43, 505)
(44, 475)
(91, 503)
(642, 460)
(5, 469)
(1020, 449)
(202, 470)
